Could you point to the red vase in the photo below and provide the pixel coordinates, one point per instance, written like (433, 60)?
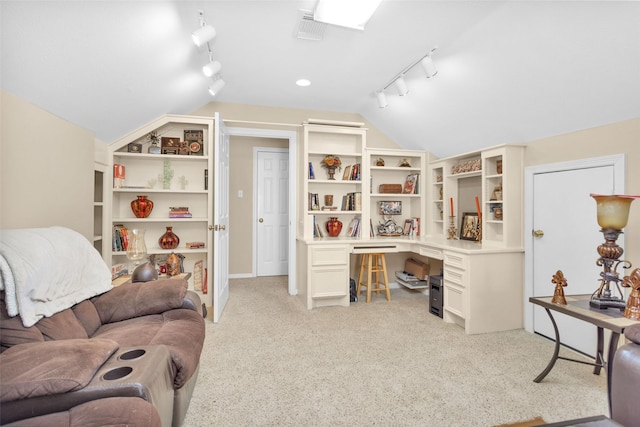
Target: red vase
(334, 226)
(142, 207)
(169, 240)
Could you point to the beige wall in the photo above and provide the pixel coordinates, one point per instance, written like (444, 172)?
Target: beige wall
(617, 138)
(241, 209)
(46, 175)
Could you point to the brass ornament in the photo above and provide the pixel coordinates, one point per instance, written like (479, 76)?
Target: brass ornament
(632, 309)
(558, 293)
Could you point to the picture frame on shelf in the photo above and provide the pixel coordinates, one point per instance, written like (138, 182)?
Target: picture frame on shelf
(390, 207)
(170, 145)
(195, 141)
(134, 147)
(410, 184)
(470, 227)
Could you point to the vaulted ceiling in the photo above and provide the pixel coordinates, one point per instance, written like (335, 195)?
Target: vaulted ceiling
(509, 71)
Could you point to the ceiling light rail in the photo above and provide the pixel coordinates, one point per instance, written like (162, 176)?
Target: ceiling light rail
(204, 36)
(398, 80)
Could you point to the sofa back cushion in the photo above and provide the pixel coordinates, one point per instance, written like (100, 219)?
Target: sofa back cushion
(12, 332)
(62, 326)
(87, 315)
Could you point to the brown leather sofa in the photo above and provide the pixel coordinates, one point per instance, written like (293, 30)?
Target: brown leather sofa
(136, 348)
(625, 380)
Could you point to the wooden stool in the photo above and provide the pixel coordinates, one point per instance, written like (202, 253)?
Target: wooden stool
(374, 264)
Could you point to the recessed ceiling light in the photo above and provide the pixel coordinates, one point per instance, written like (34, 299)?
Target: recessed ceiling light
(303, 82)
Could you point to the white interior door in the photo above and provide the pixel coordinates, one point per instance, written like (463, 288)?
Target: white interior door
(566, 214)
(221, 220)
(272, 212)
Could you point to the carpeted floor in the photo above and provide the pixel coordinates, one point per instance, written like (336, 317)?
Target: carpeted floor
(272, 362)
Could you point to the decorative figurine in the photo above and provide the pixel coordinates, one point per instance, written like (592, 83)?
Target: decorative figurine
(405, 163)
(632, 309)
(558, 294)
(380, 161)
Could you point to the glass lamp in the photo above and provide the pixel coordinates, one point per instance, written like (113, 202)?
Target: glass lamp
(613, 214)
(136, 247)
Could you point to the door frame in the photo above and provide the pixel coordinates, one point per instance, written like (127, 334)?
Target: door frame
(256, 150)
(291, 136)
(618, 163)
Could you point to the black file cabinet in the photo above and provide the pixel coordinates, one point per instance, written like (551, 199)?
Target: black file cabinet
(435, 295)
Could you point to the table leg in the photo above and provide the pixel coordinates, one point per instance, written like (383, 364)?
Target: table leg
(613, 346)
(556, 350)
(599, 349)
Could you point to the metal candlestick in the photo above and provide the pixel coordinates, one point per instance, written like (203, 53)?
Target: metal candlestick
(452, 231)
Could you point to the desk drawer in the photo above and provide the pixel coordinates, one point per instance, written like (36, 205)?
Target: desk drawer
(452, 275)
(454, 300)
(329, 255)
(456, 260)
(431, 252)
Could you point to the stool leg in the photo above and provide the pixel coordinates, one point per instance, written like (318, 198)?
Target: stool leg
(369, 278)
(360, 276)
(376, 268)
(386, 280)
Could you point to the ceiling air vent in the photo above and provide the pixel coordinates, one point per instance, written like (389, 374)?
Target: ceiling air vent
(308, 29)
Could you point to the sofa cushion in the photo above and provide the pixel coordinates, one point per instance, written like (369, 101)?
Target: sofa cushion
(138, 299)
(52, 367)
(88, 316)
(13, 332)
(181, 330)
(62, 326)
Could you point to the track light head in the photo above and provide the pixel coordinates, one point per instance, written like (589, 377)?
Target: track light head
(215, 88)
(428, 67)
(212, 68)
(401, 86)
(382, 100)
(203, 35)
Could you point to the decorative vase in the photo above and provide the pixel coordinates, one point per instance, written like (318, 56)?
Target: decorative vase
(334, 226)
(142, 207)
(169, 240)
(332, 171)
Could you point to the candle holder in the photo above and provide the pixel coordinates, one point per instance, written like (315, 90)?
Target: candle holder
(453, 230)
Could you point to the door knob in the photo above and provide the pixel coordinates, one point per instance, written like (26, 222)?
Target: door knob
(223, 227)
(211, 228)
(538, 233)
(261, 220)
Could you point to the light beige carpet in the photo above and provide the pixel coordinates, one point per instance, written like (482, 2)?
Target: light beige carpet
(272, 362)
(534, 422)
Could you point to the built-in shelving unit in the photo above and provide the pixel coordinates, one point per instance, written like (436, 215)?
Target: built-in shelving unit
(98, 205)
(189, 186)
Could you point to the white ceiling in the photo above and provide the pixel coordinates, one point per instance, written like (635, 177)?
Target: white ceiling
(509, 71)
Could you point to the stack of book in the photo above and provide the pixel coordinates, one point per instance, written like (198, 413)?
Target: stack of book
(179, 212)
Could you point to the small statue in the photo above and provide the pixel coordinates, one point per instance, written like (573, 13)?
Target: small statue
(558, 294)
(173, 264)
(632, 309)
(380, 161)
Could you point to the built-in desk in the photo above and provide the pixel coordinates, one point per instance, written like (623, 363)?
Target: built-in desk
(483, 287)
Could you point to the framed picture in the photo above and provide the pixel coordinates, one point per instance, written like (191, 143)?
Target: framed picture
(195, 140)
(170, 145)
(470, 226)
(390, 208)
(410, 184)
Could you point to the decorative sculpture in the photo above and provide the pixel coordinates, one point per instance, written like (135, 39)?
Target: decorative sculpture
(558, 293)
(632, 309)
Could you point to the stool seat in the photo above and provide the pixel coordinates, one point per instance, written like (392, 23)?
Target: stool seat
(376, 269)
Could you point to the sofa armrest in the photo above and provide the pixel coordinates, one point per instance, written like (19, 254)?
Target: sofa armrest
(140, 299)
(193, 302)
(51, 367)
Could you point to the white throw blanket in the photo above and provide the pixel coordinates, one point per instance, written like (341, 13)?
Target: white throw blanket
(46, 270)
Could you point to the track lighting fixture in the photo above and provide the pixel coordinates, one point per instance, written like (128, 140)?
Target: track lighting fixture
(212, 68)
(215, 88)
(398, 80)
(428, 67)
(401, 85)
(203, 35)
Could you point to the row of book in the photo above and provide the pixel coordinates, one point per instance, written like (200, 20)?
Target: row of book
(351, 172)
(119, 240)
(350, 202)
